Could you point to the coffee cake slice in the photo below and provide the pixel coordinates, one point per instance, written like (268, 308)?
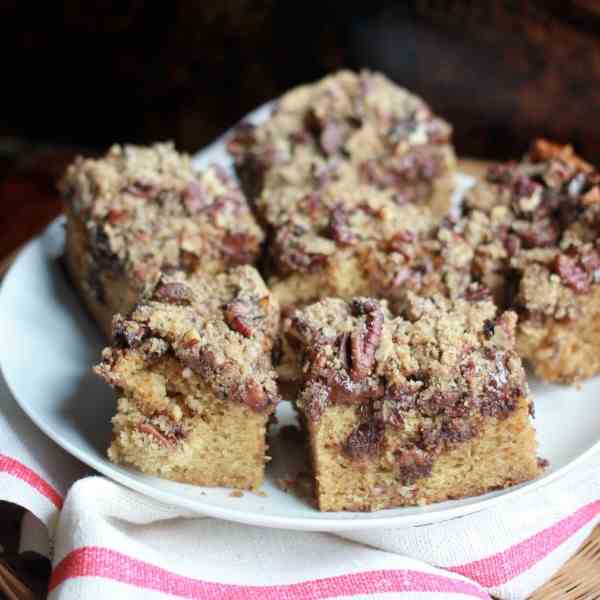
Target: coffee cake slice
(342, 163)
(192, 368)
(415, 408)
(534, 229)
(138, 210)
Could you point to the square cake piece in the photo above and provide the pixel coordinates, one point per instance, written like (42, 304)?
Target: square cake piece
(138, 210)
(429, 405)
(534, 228)
(340, 164)
(192, 368)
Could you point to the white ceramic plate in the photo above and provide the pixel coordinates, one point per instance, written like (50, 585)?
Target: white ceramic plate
(48, 344)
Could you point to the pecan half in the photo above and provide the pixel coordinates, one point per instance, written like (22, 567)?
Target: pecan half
(339, 227)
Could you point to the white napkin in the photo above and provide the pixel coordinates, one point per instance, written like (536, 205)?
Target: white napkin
(110, 542)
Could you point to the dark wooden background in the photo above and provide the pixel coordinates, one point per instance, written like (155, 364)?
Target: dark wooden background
(501, 71)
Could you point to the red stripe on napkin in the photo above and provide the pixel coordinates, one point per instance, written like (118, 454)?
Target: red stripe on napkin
(504, 566)
(92, 561)
(20, 471)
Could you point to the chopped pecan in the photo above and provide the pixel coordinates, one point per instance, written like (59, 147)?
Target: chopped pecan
(128, 334)
(239, 248)
(174, 292)
(255, 396)
(333, 136)
(339, 227)
(573, 274)
(195, 198)
(365, 440)
(237, 315)
(365, 340)
(434, 402)
(153, 431)
(198, 359)
(142, 189)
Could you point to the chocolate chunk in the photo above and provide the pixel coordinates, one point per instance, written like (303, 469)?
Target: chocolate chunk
(413, 464)
(174, 293)
(365, 440)
(142, 189)
(290, 253)
(198, 359)
(436, 436)
(476, 293)
(239, 248)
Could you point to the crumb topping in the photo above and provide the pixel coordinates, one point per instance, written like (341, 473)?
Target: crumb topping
(219, 328)
(341, 163)
(146, 208)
